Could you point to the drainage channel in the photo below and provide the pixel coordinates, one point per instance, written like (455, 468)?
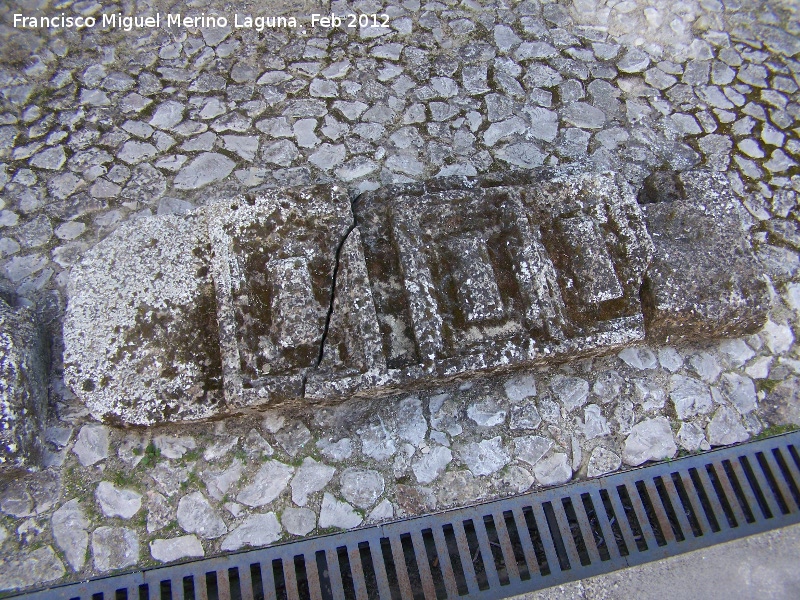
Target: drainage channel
(505, 547)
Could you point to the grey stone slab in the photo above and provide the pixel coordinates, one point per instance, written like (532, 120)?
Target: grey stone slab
(34, 568)
(361, 487)
(256, 530)
(310, 477)
(553, 470)
(116, 502)
(91, 445)
(484, 457)
(335, 513)
(268, 483)
(114, 548)
(602, 461)
(169, 550)
(726, 428)
(431, 464)
(70, 532)
(531, 448)
(165, 263)
(196, 515)
(704, 280)
(299, 521)
(649, 440)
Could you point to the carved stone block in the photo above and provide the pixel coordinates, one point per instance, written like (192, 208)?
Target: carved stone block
(478, 274)
(297, 295)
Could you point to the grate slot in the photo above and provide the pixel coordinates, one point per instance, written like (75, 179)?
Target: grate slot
(609, 540)
(791, 465)
(423, 565)
(445, 564)
(793, 453)
(223, 585)
(713, 491)
(506, 545)
(536, 541)
(562, 530)
(399, 560)
(515, 545)
(766, 482)
(546, 540)
(619, 523)
(290, 584)
(690, 510)
(486, 556)
(200, 589)
(661, 525)
(334, 573)
(376, 560)
(786, 473)
(390, 568)
(455, 559)
(498, 559)
(258, 586)
(242, 588)
(776, 483)
(673, 517)
(601, 533)
(528, 551)
(465, 557)
(357, 572)
(312, 576)
(754, 490)
(585, 530)
(733, 470)
(165, 589)
(635, 515)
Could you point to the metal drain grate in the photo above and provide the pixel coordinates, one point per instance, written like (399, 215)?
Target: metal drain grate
(506, 547)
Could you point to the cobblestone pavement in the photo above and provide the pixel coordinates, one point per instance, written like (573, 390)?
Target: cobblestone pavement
(98, 127)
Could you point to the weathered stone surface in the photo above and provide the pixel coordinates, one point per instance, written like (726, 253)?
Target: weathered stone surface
(553, 470)
(185, 301)
(530, 267)
(429, 466)
(689, 396)
(740, 391)
(335, 513)
(520, 387)
(649, 440)
(531, 448)
(38, 567)
(219, 482)
(91, 446)
(185, 546)
(602, 461)
(361, 487)
(114, 548)
(23, 386)
(255, 530)
(70, 531)
(116, 502)
(726, 428)
(270, 480)
(145, 291)
(196, 515)
(299, 521)
(311, 477)
(704, 280)
(485, 457)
